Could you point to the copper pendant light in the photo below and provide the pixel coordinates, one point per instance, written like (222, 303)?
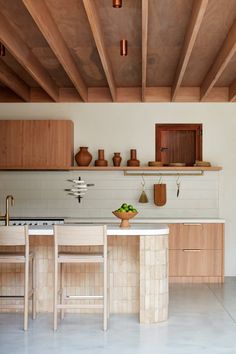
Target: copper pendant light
(123, 47)
(117, 4)
(2, 50)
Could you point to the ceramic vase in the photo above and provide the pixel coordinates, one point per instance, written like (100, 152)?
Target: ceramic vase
(100, 162)
(133, 159)
(83, 157)
(116, 159)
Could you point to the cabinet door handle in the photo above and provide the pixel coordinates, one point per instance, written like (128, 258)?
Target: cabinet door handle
(191, 223)
(163, 148)
(191, 250)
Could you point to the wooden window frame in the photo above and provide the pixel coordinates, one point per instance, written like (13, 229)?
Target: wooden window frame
(181, 126)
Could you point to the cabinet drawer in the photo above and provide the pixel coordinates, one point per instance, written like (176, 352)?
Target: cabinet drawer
(196, 236)
(190, 263)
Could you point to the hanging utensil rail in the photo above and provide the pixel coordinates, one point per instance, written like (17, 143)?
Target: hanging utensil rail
(129, 173)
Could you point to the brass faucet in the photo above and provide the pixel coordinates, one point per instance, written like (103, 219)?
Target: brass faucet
(6, 217)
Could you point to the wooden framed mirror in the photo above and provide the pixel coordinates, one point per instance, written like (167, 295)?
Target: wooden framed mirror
(179, 143)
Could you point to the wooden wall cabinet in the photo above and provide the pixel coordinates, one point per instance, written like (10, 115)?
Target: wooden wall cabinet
(196, 252)
(36, 144)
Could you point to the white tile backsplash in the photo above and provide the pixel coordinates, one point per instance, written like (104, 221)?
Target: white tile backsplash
(42, 194)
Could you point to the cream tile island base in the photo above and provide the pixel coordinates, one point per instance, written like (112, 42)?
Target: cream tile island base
(153, 269)
(138, 272)
(154, 295)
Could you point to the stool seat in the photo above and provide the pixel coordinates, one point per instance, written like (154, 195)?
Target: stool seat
(69, 257)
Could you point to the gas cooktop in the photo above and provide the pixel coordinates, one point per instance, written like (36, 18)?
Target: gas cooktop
(36, 221)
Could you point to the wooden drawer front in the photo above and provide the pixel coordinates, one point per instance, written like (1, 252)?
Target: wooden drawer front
(196, 236)
(190, 263)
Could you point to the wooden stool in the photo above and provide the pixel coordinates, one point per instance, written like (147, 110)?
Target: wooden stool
(18, 236)
(70, 235)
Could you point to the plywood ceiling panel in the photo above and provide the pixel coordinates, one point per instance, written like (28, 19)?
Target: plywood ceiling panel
(117, 24)
(229, 74)
(23, 23)
(219, 17)
(52, 65)
(168, 22)
(72, 22)
(7, 95)
(74, 46)
(10, 61)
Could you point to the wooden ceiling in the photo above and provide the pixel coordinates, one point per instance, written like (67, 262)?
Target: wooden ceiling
(68, 51)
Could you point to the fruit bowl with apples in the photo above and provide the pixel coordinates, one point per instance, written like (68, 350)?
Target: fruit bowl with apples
(125, 212)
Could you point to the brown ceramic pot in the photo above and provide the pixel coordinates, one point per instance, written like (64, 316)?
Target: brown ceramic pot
(83, 157)
(117, 159)
(100, 162)
(133, 159)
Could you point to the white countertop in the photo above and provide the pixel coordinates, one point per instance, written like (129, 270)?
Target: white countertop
(138, 229)
(113, 220)
(112, 230)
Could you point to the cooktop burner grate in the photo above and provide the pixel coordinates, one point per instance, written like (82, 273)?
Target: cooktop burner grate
(36, 221)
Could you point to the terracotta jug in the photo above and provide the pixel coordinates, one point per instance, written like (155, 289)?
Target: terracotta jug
(101, 159)
(133, 159)
(83, 157)
(117, 159)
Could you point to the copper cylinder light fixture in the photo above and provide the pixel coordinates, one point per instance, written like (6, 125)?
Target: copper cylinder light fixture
(2, 50)
(117, 4)
(123, 47)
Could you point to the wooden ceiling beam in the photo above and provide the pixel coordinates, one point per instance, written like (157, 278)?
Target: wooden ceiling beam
(46, 24)
(223, 58)
(144, 46)
(232, 91)
(198, 12)
(124, 94)
(23, 54)
(13, 82)
(98, 38)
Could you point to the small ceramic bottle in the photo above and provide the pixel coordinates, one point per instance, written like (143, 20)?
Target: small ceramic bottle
(133, 159)
(117, 159)
(101, 159)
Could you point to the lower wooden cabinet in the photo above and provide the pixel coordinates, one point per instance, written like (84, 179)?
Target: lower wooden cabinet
(196, 252)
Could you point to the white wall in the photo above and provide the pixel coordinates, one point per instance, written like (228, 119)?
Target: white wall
(119, 127)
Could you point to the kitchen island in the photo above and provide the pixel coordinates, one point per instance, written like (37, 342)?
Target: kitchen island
(138, 271)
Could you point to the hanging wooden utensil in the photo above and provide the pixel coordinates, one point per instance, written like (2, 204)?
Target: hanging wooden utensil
(160, 194)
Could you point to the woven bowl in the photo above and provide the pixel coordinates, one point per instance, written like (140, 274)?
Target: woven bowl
(124, 216)
(155, 164)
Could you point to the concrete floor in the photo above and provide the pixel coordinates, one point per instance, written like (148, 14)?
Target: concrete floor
(202, 319)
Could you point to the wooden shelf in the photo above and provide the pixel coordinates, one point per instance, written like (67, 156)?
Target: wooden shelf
(145, 168)
(51, 168)
(111, 168)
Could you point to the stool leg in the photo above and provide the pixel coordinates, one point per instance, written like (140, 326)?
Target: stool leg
(105, 294)
(55, 294)
(26, 294)
(108, 289)
(62, 291)
(34, 288)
